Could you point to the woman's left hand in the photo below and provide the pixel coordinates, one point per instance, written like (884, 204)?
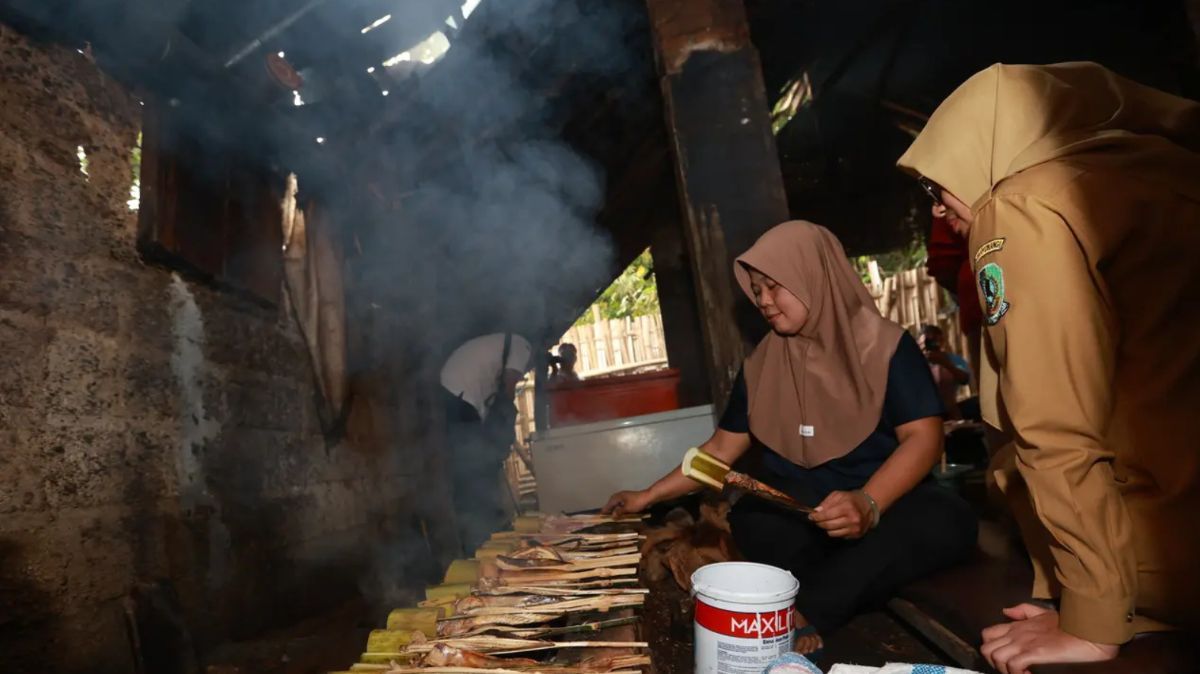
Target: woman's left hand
(843, 514)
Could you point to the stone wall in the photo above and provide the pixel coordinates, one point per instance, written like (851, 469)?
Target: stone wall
(153, 430)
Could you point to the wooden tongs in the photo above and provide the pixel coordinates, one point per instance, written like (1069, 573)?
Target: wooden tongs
(712, 472)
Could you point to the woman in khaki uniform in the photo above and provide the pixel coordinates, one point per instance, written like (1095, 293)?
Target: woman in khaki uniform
(1081, 190)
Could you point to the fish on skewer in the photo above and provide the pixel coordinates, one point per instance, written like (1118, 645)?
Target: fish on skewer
(555, 591)
(509, 646)
(598, 554)
(552, 576)
(540, 553)
(459, 626)
(444, 655)
(561, 538)
(569, 524)
(540, 668)
(479, 644)
(476, 601)
(544, 631)
(763, 491)
(536, 553)
(712, 472)
(490, 586)
(602, 604)
(507, 563)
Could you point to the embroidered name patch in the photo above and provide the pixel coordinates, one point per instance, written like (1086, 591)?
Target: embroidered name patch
(991, 284)
(993, 246)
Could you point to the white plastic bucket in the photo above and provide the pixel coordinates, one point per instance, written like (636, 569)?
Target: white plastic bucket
(743, 616)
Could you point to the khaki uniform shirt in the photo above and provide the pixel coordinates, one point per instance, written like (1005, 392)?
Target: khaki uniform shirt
(1089, 279)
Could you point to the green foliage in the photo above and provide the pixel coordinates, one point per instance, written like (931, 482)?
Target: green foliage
(634, 293)
(911, 256)
(135, 186)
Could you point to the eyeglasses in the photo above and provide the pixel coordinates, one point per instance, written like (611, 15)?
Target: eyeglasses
(932, 189)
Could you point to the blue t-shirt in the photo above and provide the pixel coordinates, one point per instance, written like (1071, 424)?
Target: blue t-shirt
(958, 361)
(911, 395)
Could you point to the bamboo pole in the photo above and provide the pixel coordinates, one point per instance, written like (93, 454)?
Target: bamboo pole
(392, 640)
(414, 619)
(454, 591)
(462, 571)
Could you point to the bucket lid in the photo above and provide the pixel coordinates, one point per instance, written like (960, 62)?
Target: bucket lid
(744, 582)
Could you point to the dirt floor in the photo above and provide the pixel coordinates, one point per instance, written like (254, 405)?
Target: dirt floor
(324, 644)
(870, 639)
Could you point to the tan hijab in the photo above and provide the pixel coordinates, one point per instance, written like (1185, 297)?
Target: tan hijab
(816, 396)
(1008, 118)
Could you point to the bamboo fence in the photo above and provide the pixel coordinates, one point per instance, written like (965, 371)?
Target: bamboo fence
(617, 345)
(913, 298)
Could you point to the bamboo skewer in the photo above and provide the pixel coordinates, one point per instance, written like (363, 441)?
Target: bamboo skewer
(548, 569)
(505, 564)
(541, 668)
(609, 583)
(597, 554)
(507, 645)
(553, 591)
(566, 576)
(712, 472)
(593, 538)
(592, 627)
(554, 645)
(603, 603)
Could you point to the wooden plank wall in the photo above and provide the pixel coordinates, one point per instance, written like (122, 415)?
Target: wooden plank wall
(606, 347)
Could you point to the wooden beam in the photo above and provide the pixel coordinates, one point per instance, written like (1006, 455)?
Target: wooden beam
(726, 165)
(677, 297)
(950, 644)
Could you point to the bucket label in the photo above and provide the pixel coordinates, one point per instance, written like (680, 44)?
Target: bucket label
(731, 642)
(744, 625)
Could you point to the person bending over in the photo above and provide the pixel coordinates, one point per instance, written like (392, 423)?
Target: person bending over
(1081, 193)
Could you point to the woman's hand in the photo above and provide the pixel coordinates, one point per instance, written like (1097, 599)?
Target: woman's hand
(843, 514)
(627, 502)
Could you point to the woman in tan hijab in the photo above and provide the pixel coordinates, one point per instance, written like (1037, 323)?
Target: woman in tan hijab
(1081, 193)
(842, 402)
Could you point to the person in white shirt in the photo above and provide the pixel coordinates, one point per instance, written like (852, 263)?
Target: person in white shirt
(479, 380)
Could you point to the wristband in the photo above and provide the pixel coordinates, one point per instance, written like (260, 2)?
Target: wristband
(874, 508)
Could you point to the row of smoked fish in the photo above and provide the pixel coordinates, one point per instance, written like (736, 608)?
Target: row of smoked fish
(556, 595)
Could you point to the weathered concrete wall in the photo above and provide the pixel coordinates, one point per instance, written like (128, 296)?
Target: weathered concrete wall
(151, 428)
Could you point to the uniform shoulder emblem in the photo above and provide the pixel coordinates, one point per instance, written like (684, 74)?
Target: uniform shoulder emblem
(991, 284)
(993, 246)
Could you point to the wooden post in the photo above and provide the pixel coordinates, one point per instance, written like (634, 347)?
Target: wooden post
(726, 164)
(677, 332)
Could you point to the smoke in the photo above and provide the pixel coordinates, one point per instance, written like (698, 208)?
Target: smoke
(500, 205)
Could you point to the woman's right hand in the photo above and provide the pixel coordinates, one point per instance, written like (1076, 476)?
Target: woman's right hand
(628, 502)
